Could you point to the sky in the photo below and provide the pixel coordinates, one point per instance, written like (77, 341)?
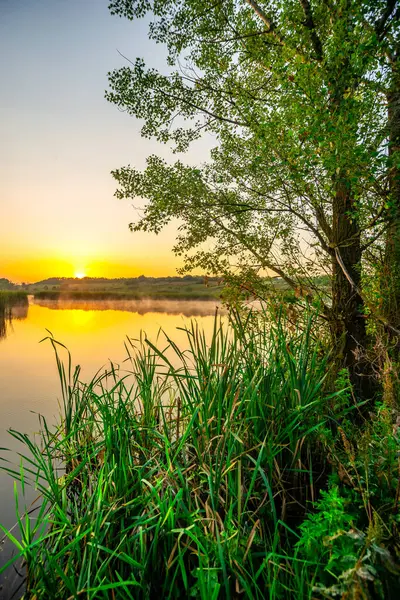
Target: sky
(60, 139)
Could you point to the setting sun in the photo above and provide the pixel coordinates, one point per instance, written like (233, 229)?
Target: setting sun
(80, 275)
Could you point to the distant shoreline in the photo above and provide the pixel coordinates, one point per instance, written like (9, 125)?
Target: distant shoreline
(189, 287)
(154, 294)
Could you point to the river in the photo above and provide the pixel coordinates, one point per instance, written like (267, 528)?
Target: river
(94, 333)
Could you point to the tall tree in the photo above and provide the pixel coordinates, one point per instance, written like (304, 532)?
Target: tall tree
(297, 182)
(387, 30)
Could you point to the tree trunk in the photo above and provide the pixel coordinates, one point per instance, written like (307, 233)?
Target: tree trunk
(391, 270)
(348, 321)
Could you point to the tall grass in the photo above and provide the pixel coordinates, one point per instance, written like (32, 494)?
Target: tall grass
(210, 472)
(8, 300)
(9, 297)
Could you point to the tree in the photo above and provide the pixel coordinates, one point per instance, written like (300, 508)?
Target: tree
(295, 94)
(388, 40)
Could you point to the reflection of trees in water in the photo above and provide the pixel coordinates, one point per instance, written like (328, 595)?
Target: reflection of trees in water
(3, 322)
(19, 311)
(187, 308)
(12, 309)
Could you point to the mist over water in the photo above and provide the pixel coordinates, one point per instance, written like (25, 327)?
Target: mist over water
(187, 308)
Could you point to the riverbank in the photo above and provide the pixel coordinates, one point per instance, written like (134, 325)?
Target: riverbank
(10, 297)
(231, 469)
(161, 293)
(173, 288)
(11, 302)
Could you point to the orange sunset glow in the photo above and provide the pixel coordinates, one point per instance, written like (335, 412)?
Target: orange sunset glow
(36, 269)
(60, 142)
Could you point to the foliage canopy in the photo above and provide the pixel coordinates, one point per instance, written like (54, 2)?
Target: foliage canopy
(299, 97)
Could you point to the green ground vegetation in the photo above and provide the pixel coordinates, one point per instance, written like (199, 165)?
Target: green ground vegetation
(238, 468)
(8, 298)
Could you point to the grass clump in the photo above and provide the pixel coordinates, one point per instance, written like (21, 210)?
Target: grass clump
(10, 297)
(227, 470)
(9, 301)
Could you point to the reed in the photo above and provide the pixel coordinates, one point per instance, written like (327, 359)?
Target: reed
(205, 473)
(8, 300)
(9, 297)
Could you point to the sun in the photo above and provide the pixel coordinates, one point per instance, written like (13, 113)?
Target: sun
(80, 275)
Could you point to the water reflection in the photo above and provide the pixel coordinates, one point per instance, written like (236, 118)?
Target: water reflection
(186, 308)
(17, 309)
(95, 333)
(12, 309)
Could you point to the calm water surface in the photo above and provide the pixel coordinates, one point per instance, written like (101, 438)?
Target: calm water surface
(94, 333)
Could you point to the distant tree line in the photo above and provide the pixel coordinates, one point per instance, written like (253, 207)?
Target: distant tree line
(6, 284)
(142, 279)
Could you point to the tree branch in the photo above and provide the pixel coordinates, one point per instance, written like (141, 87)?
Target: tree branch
(204, 110)
(309, 23)
(288, 208)
(387, 13)
(380, 318)
(265, 263)
(268, 22)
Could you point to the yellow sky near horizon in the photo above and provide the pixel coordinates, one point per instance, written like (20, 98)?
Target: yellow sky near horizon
(113, 253)
(33, 270)
(60, 140)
